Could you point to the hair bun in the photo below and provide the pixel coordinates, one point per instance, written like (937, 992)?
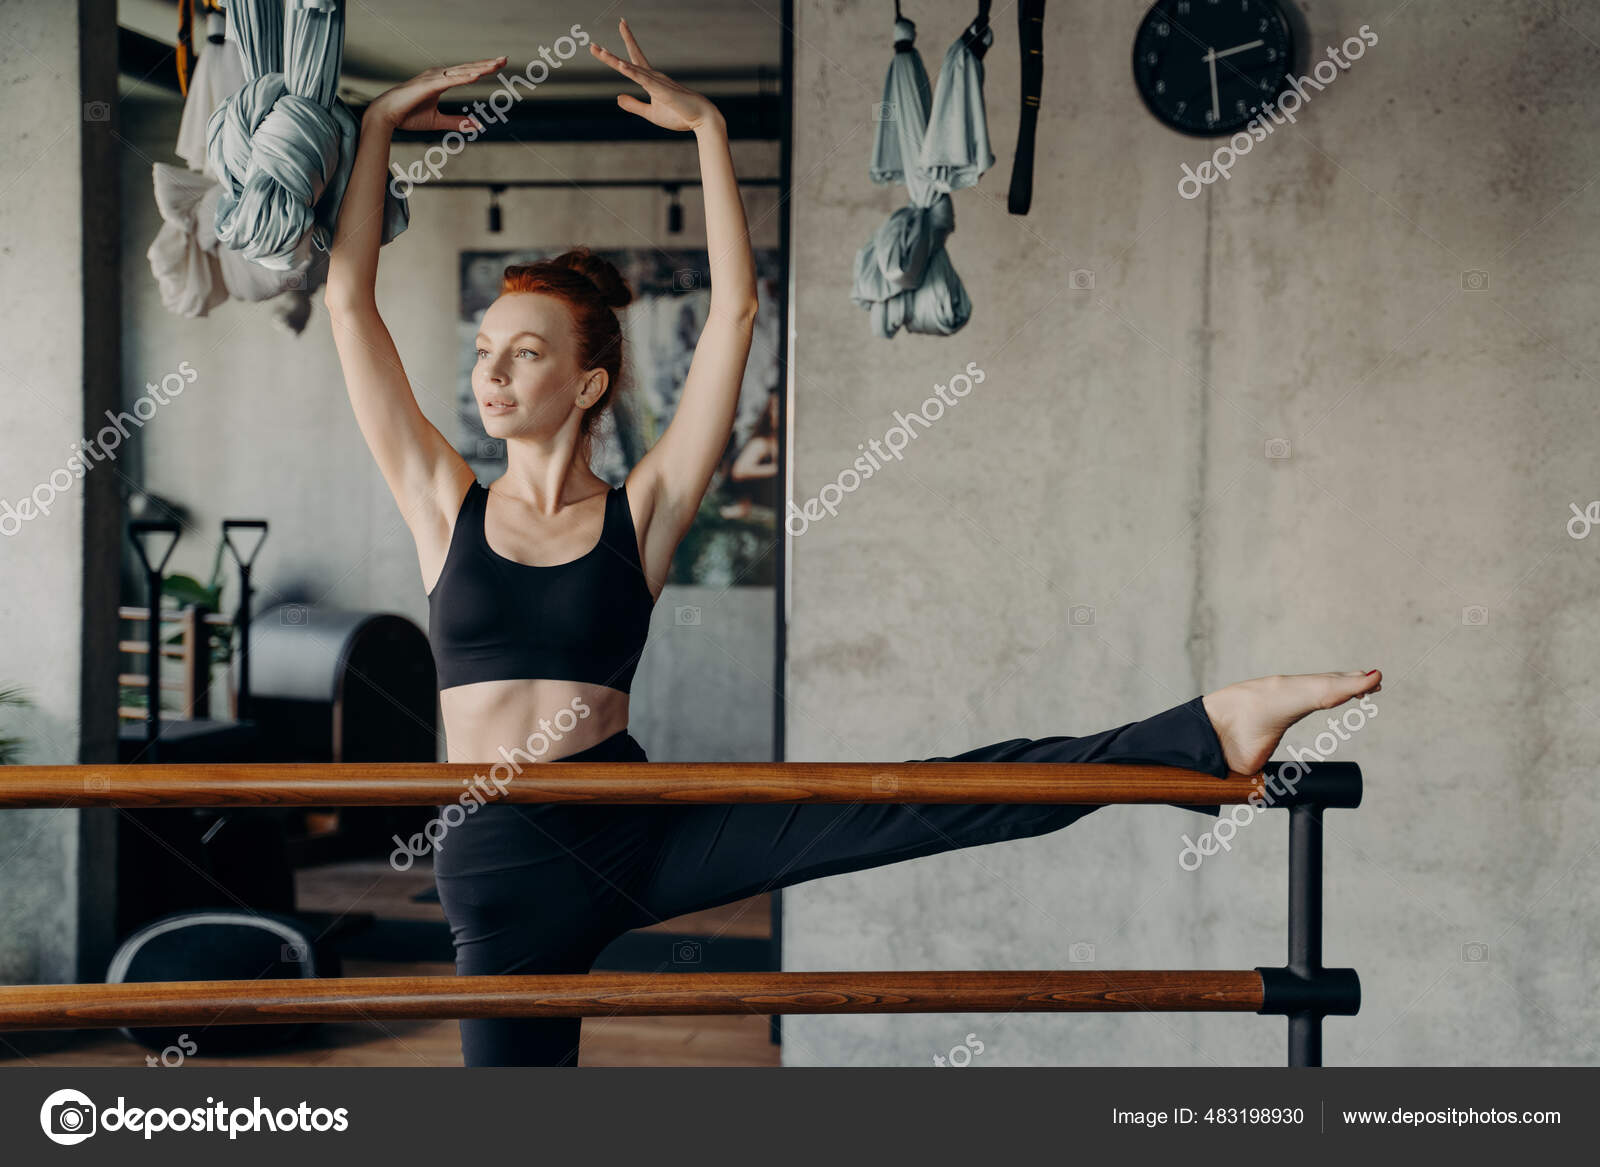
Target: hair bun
(602, 273)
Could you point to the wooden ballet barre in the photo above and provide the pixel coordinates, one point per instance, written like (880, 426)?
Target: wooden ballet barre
(1326, 784)
(276, 1002)
(1302, 990)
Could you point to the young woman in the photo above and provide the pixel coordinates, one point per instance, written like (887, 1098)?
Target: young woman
(540, 588)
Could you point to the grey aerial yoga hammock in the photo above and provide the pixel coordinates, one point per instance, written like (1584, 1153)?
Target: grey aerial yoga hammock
(935, 143)
(282, 147)
(194, 272)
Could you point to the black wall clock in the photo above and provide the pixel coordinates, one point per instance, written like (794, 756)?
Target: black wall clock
(1206, 67)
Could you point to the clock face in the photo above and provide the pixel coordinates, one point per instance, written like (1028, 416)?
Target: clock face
(1206, 67)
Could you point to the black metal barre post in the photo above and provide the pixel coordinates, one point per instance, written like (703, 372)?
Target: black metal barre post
(1303, 989)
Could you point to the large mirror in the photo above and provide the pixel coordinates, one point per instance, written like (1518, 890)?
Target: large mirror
(251, 532)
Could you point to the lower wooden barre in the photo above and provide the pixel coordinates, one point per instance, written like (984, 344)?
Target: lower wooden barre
(98, 1006)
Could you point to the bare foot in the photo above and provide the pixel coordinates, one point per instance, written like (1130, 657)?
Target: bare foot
(1251, 717)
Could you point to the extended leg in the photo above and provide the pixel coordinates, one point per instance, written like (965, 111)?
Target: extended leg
(715, 854)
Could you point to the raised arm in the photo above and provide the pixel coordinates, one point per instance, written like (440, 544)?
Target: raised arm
(424, 473)
(671, 479)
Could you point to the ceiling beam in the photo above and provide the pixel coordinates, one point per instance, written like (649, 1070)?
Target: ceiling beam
(750, 116)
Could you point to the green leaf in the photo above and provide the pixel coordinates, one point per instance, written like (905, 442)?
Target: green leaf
(188, 590)
(14, 695)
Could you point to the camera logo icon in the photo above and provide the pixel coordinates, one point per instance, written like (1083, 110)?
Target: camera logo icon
(67, 1117)
(685, 279)
(686, 952)
(1277, 447)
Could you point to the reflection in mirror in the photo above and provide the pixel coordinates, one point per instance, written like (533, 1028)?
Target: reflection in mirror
(487, 327)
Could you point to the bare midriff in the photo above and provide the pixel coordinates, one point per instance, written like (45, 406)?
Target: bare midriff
(538, 720)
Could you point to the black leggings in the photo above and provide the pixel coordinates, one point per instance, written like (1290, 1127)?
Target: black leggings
(543, 888)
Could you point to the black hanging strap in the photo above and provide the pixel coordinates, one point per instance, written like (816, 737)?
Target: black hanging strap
(977, 35)
(1030, 37)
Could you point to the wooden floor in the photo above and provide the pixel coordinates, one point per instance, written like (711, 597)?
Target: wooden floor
(372, 886)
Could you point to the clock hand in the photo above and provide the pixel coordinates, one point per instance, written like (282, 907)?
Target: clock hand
(1237, 49)
(1211, 61)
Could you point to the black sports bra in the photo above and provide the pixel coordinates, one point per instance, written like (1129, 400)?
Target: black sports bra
(491, 618)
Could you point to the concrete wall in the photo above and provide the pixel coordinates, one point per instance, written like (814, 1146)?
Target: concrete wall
(58, 531)
(267, 428)
(1116, 457)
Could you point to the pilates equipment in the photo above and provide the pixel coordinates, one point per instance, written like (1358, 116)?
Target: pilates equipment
(315, 685)
(223, 944)
(192, 735)
(321, 702)
(169, 860)
(334, 685)
(242, 621)
(330, 685)
(1302, 990)
(191, 626)
(140, 530)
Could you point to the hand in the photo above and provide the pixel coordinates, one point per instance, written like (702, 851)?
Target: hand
(671, 106)
(414, 104)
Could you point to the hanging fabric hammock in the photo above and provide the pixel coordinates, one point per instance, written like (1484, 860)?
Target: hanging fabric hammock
(218, 75)
(902, 119)
(955, 149)
(934, 144)
(283, 145)
(194, 272)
